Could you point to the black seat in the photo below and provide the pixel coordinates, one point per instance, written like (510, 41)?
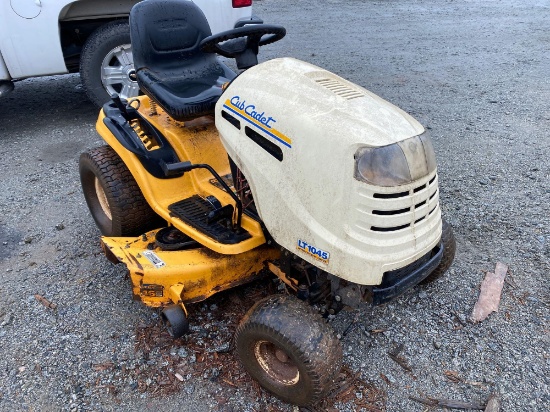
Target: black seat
(170, 67)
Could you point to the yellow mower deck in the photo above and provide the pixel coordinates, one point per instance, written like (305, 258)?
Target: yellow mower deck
(162, 277)
(198, 142)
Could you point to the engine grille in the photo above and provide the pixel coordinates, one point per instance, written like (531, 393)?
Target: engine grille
(396, 209)
(340, 89)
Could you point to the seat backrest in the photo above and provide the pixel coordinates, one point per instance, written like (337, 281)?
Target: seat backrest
(166, 33)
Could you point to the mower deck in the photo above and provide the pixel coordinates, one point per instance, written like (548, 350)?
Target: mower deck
(161, 277)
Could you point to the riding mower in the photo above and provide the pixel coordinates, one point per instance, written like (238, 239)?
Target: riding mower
(211, 179)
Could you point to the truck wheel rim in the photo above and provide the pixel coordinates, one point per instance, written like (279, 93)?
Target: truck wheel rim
(276, 363)
(102, 198)
(118, 75)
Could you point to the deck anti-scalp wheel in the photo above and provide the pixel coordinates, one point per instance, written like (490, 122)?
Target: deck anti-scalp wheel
(175, 320)
(113, 196)
(449, 249)
(289, 349)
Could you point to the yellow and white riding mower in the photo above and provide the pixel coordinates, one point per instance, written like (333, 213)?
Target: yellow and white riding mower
(300, 172)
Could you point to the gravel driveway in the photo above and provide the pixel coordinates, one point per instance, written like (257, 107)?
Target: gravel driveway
(475, 73)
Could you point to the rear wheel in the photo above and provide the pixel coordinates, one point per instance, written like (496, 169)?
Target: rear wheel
(113, 196)
(449, 249)
(289, 349)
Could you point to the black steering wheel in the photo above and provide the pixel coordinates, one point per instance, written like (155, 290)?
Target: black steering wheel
(243, 43)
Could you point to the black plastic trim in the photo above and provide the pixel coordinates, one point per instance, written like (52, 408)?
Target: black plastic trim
(419, 188)
(391, 212)
(117, 123)
(390, 195)
(388, 229)
(252, 20)
(398, 281)
(420, 219)
(231, 119)
(265, 144)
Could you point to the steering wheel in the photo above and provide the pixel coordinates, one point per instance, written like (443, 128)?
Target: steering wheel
(243, 43)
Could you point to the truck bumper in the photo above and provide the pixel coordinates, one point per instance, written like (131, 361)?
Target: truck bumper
(6, 86)
(397, 281)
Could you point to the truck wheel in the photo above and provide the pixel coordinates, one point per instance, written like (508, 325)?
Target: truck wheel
(107, 64)
(289, 349)
(113, 196)
(449, 249)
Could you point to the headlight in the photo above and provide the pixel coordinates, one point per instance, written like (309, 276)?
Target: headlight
(396, 164)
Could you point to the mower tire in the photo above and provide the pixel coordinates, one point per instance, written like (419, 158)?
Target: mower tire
(289, 349)
(113, 196)
(175, 320)
(449, 249)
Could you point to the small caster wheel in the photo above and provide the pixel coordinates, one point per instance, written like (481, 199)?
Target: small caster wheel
(175, 320)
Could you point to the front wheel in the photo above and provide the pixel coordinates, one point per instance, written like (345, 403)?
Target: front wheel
(107, 63)
(289, 349)
(449, 250)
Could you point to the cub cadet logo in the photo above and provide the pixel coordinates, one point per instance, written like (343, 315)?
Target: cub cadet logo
(311, 250)
(251, 111)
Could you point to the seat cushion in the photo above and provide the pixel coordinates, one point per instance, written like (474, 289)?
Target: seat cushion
(184, 97)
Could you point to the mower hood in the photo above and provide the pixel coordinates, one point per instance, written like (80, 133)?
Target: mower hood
(295, 131)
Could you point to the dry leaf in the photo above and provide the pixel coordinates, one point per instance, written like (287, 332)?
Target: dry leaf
(453, 376)
(103, 366)
(45, 301)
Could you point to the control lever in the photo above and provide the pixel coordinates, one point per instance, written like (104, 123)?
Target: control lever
(127, 111)
(216, 215)
(171, 169)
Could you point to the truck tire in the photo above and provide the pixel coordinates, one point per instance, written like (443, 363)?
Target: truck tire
(449, 249)
(289, 349)
(113, 196)
(107, 64)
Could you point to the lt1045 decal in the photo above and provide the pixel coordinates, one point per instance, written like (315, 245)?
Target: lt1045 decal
(315, 252)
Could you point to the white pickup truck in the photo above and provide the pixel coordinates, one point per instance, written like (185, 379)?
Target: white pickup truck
(46, 37)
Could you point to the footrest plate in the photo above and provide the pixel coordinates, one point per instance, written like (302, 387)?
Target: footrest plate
(194, 211)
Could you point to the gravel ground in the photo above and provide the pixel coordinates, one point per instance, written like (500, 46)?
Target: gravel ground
(475, 73)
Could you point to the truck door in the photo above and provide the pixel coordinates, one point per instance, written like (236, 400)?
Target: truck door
(28, 9)
(29, 37)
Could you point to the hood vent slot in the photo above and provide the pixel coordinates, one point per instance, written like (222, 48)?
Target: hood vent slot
(340, 88)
